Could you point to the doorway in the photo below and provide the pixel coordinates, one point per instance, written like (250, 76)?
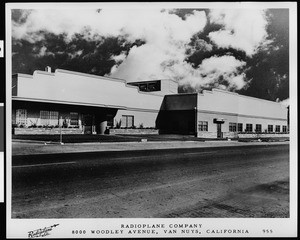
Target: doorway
(87, 120)
(219, 130)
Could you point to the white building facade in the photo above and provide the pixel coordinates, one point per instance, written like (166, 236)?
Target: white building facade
(89, 104)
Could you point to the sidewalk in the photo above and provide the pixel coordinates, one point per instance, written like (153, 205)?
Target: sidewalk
(35, 147)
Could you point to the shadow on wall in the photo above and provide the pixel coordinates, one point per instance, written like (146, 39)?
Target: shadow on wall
(175, 121)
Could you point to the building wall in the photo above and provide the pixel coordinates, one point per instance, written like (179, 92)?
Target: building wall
(212, 127)
(67, 86)
(235, 108)
(169, 86)
(108, 99)
(228, 102)
(141, 117)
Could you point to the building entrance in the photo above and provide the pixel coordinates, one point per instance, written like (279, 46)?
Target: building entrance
(219, 130)
(219, 123)
(88, 123)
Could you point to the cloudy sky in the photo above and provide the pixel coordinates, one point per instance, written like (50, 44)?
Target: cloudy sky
(241, 50)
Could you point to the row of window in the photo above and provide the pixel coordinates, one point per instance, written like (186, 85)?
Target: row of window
(233, 127)
(52, 118)
(46, 117)
(238, 127)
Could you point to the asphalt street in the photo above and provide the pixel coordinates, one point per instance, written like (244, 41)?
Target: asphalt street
(243, 181)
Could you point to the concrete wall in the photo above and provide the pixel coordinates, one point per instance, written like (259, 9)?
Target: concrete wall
(149, 109)
(235, 108)
(133, 131)
(228, 102)
(67, 86)
(212, 127)
(169, 86)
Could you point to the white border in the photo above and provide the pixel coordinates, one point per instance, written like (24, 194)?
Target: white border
(18, 228)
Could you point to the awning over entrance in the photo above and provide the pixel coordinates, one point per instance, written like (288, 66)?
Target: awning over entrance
(219, 120)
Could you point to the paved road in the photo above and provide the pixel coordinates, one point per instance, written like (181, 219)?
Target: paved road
(245, 181)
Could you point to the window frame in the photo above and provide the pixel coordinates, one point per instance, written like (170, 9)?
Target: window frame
(256, 127)
(21, 116)
(240, 127)
(49, 118)
(76, 120)
(126, 117)
(270, 128)
(249, 129)
(203, 126)
(232, 127)
(284, 128)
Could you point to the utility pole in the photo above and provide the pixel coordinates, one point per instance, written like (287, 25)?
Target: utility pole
(60, 127)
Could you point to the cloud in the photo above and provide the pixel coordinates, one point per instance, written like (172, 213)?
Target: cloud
(244, 29)
(222, 72)
(166, 37)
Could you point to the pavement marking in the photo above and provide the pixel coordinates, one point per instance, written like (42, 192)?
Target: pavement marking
(199, 153)
(41, 165)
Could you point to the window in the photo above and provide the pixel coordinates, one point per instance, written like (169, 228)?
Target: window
(202, 126)
(248, 127)
(53, 118)
(232, 127)
(154, 86)
(277, 128)
(127, 121)
(21, 116)
(284, 129)
(49, 118)
(270, 128)
(258, 128)
(149, 86)
(143, 87)
(74, 118)
(240, 127)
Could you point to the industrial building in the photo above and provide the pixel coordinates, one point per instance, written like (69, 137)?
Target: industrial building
(82, 103)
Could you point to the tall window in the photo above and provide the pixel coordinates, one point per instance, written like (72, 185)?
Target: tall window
(21, 116)
(240, 127)
(277, 128)
(248, 127)
(203, 126)
(127, 121)
(74, 118)
(49, 118)
(258, 128)
(270, 128)
(284, 129)
(232, 127)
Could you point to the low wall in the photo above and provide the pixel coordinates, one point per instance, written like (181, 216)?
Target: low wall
(262, 135)
(36, 131)
(206, 134)
(241, 135)
(132, 131)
